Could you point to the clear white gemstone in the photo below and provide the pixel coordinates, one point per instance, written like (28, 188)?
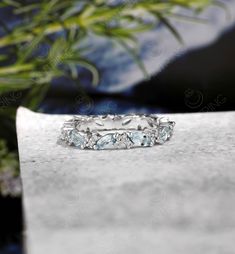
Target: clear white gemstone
(92, 140)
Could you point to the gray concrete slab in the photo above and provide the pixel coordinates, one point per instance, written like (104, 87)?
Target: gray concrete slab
(175, 198)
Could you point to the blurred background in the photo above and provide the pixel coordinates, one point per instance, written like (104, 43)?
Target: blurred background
(106, 57)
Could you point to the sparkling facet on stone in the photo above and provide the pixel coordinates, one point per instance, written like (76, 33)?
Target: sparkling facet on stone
(92, 139)
(123, 140)
(76, 139)
(106, 142)
(164, 133)
(140, 138)
(64, 135)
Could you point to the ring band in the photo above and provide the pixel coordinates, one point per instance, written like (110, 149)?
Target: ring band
(116, 131)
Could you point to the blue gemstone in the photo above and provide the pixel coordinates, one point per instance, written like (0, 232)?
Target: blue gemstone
(164, 134)
(106, 142)
(140, 139)
(77, 139)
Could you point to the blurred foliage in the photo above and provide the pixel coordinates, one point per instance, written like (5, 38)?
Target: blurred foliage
(9, 176)
(63, 27)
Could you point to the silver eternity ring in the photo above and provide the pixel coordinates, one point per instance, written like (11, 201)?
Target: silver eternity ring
(116, 131)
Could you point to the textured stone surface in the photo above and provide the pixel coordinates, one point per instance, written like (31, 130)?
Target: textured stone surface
(175, 198)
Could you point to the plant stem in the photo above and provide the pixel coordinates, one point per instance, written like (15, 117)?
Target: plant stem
(15, 69)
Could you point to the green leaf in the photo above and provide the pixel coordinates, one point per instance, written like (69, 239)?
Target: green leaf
(11, 3)
(87, 65)
(16, 83)
(29, 48)
(34, 97)
(135, 57)
(27, 8)
(16, 68)
(171, 28)
(3, 58)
